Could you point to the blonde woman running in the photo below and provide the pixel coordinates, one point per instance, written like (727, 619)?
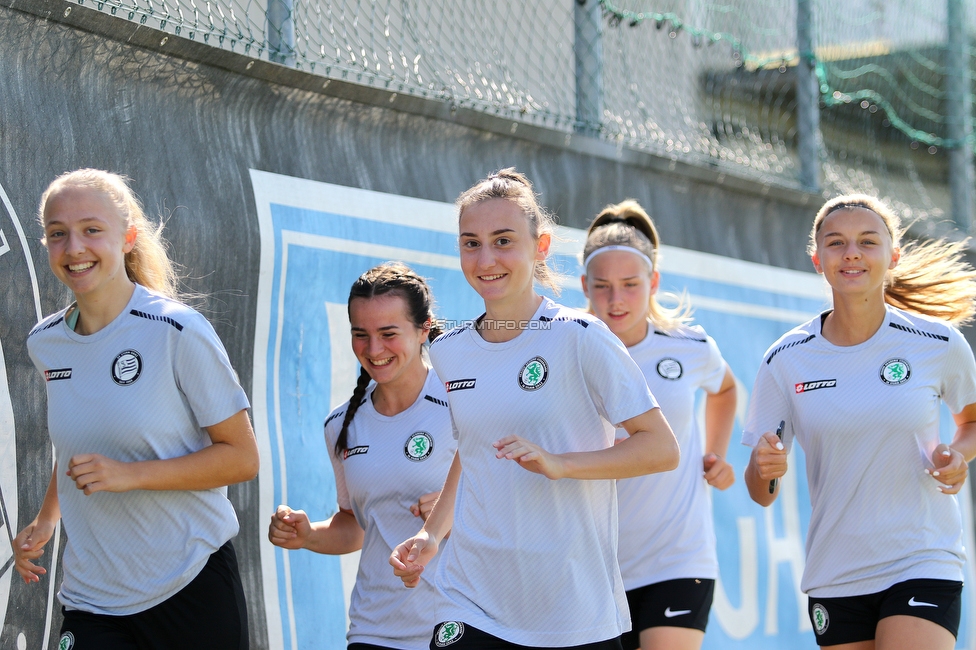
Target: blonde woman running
(149, 425)
(860, 388)
(667, 539)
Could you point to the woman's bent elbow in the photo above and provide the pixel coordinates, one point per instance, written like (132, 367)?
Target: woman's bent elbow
(672, 457)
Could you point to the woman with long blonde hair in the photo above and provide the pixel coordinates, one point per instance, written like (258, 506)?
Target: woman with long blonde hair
(149, 424)
(860, 388)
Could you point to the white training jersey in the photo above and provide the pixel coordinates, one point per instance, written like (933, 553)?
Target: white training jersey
(141, 388)
(867, 418)
(530, 560)
(666, 529)
(390, 461)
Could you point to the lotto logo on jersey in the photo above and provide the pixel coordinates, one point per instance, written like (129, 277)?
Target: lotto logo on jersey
(55, 375)
(534, 374)
(126, 368)
(419, 446)
(895, 372)
(355, 451)
(806, 386)
(448, 633)
(459, 384)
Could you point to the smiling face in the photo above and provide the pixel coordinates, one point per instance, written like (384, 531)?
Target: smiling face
(87, 240)
(854, 252)
(499, 253)
(384, 339)
(619, 286)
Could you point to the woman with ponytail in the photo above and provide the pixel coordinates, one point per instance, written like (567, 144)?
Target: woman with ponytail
(860, 387)
(149, 424)
(392, 446)
(535, 391)
(667, 540)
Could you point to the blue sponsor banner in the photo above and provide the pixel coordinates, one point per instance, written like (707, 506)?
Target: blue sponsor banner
(316, 239)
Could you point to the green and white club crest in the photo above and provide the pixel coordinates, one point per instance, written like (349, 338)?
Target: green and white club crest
(419, 446)
(448, 632)
(67, 641)
(534, 374)
(820, 618)
(895, 372)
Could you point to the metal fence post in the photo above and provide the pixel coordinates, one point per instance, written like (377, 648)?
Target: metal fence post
(959, 116)
(807, 100)
(589, 66)
(281, 32)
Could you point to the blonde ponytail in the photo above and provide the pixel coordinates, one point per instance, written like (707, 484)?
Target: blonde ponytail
(147, 263)
(628, 224)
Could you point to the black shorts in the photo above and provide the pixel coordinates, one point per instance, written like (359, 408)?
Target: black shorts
(209, 613)
(855, 618)
(673, 603)
(461, 636)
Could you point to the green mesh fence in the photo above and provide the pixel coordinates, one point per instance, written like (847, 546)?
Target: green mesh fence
(711, 83)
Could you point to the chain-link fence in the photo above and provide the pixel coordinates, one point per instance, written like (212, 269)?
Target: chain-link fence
(705, 82)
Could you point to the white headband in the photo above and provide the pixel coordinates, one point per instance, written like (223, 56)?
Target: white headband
(629, 249)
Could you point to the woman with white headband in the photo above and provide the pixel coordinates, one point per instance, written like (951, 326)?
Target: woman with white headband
(667, 542)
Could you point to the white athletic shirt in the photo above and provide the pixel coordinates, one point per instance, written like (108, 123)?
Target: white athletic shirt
(141, 388)
(867, 417)
(530, 560)
(666, 529)
(389, 463)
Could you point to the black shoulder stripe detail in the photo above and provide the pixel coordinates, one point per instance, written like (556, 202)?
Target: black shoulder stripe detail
(789, 345)
(46, 327)
(679, 336)
(332, 417)
(447, 335)
(435, 400)
(164, 319)
(919, 332)
(578, 321)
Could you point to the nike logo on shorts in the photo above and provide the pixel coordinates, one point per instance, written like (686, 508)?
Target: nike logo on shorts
(916, 603)
(669, 614)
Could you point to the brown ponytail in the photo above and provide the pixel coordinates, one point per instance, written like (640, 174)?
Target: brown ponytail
(511, 185)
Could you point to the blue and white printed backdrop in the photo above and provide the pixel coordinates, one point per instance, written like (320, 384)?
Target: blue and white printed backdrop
(317, 238)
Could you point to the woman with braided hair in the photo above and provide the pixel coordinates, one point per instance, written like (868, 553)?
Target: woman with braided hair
(392, 447)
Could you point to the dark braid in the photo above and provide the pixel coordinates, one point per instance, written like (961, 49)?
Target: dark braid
(357, 398)
(390, 278)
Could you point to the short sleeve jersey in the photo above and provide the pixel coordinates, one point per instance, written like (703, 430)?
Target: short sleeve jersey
(141, 388)
(867, 418)
(666, 529)
(390, 461)
(530, 560)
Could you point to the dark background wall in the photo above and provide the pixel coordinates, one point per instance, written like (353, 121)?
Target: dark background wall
(186, 122)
